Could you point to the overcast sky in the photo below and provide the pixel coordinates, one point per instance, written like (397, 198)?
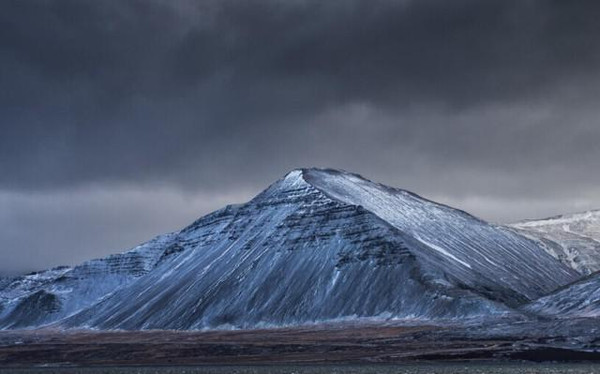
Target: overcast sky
(121, 120)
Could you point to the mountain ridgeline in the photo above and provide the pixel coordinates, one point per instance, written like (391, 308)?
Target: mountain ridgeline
(318, 245)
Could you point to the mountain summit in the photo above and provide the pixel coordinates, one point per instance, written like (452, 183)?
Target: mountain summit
(317, 245)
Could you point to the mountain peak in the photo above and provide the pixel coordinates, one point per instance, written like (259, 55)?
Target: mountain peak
(315, 181)
(301, 173)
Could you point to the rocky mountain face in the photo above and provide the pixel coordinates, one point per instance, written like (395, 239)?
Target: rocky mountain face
(574, 239)
(317, 245)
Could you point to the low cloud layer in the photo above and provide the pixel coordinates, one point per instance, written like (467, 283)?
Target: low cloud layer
(486, 105)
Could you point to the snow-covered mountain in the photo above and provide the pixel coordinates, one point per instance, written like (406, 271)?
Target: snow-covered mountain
(580, 299)
(574, 239)
(42, 297)
(321, 245)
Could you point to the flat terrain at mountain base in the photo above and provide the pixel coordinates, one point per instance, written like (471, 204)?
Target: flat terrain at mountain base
(324, 344)
(435, 368)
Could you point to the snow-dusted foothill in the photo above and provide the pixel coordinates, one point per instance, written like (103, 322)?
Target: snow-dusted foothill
(574, 239)
(580, 299)
(43, 297)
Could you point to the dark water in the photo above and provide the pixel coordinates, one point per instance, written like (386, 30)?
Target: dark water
(332, 369)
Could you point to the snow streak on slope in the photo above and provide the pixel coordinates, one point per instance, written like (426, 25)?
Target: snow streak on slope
(444, 252)
(574, 239)
(46, 296)
(580, 299)
(321, 245)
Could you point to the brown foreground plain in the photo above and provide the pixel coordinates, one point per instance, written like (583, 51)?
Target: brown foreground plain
(317, 344)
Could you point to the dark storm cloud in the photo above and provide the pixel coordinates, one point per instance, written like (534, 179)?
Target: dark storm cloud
(107, 90)
(488, 105)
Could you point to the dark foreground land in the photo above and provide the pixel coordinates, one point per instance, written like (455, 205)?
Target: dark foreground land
(342, 344)
(437, 368)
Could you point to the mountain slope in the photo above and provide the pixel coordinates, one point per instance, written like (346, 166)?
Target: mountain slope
(580, 299)
(322, 244)
(574, 239)
(43, 297)
(467, 242)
